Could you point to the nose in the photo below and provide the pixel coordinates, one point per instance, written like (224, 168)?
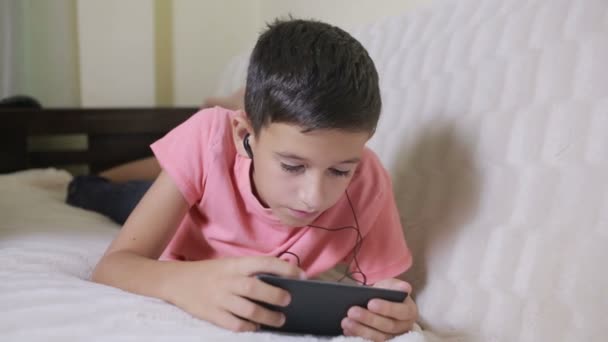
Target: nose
(313, 192)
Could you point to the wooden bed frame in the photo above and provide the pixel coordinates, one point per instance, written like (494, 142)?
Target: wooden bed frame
(114, 135)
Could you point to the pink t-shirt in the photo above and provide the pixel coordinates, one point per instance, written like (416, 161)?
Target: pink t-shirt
(226, 219)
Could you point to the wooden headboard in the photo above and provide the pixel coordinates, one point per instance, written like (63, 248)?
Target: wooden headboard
(113, 135)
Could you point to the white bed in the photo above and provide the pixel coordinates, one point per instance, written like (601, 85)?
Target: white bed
(47, 252)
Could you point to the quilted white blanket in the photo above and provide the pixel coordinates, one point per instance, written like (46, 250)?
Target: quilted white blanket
(47, 252)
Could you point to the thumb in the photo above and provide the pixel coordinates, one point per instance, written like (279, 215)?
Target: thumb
(394, 284)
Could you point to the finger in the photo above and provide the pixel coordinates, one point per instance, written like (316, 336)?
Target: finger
(406, 311)
(357, 329)
(229, 321)
(272, 265)
(246, 309)
(381, 323)
(256, 289)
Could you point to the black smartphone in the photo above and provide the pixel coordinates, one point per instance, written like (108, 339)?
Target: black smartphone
(318, 307)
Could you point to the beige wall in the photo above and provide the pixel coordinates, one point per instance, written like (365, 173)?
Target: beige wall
(156, 52)
(43, 54)
(116, 45)
(11, 50)
(343, 13)
(206, 35)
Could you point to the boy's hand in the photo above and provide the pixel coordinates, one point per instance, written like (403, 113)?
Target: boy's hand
(382, 320)
(220, 291)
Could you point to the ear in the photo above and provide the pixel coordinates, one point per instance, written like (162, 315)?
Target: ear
(240, 128)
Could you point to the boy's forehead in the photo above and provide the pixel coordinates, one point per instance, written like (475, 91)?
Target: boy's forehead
(281, 128)
(275, 128)
(296, 140)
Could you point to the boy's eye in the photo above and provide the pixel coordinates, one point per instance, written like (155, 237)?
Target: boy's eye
(300, 168)
(339, 173)
(292, 168)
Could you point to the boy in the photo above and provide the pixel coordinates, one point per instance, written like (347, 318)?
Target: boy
(286, 187)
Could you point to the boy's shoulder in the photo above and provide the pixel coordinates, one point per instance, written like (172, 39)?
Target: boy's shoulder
(214, 125)
(214, 119)
(371, 170)
(371, 180)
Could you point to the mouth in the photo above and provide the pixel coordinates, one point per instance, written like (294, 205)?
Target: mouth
(302, 214)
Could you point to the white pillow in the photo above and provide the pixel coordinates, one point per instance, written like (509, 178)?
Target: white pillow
(494, 129)
(494, 123)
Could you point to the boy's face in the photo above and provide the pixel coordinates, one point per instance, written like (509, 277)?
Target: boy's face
(300, 175)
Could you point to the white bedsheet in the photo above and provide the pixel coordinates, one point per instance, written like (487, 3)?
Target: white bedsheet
(47, 252)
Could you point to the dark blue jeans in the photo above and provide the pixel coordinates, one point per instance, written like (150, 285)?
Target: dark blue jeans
(115, 200)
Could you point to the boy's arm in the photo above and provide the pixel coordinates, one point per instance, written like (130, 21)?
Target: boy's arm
(130, 262)
(220, 291)
(144, 169)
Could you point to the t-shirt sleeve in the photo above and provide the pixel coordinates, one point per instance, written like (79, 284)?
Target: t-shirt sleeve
(384, 252)
(182, 151)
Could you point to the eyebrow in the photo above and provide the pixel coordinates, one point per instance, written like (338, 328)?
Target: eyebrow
(296, 157)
